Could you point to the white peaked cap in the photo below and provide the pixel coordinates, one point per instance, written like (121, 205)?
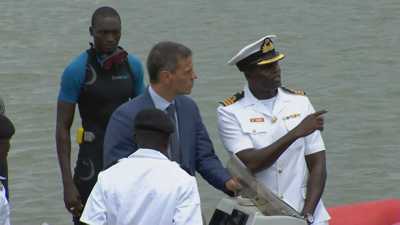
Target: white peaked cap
(260, 52)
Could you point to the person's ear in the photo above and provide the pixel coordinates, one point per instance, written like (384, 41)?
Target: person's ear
(91, 31)
(165, 77)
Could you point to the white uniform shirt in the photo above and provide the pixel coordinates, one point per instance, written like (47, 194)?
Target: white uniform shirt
(145, 188)
(4, 206)
(247, 123)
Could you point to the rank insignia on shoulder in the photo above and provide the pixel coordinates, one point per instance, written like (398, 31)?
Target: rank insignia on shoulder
(233, 99)
(293, 91)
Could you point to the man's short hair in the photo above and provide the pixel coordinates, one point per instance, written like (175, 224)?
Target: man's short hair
(104, 11)
(165, 56)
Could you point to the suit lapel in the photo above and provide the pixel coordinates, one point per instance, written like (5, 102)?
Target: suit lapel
(183, 119)
(183, 130)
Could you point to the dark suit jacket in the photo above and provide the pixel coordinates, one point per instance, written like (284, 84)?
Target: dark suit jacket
(197, 150)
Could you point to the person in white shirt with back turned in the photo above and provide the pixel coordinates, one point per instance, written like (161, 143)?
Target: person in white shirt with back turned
(146, 187)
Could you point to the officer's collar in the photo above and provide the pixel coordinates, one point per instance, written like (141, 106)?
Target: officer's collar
(159, 102)
(249, 98)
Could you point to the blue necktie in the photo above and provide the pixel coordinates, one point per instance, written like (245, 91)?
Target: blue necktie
(174, 140)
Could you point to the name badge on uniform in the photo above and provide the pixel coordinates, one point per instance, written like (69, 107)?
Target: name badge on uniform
(254, 120)
(291, 116)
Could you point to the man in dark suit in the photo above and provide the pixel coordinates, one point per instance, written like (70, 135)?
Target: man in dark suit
(170, 68)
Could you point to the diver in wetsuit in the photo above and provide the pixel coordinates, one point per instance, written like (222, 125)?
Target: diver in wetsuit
(98, 81)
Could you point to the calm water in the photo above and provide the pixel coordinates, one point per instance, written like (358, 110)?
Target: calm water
(343, 54)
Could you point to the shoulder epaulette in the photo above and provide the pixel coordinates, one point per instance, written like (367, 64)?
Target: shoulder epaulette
(233, 99)
(293, 91)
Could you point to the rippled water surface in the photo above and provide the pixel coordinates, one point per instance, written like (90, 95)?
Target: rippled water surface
(343, 54)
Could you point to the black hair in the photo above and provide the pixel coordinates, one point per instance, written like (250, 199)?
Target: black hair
(104, 11)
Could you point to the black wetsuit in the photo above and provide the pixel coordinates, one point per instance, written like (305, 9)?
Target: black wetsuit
(101, 93)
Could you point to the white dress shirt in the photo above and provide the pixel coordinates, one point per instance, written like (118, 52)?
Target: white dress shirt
(144, 188)
(4, 206)
(163, 104)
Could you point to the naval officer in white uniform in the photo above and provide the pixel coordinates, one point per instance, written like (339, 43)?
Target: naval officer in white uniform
(275, 132)
(146, 187)
(7, 130)
(4, 205)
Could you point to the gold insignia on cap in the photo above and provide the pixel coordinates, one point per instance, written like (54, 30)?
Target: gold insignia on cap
(233, 99)
(267, 46)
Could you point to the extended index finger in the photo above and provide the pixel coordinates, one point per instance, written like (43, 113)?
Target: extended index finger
(320, 112)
